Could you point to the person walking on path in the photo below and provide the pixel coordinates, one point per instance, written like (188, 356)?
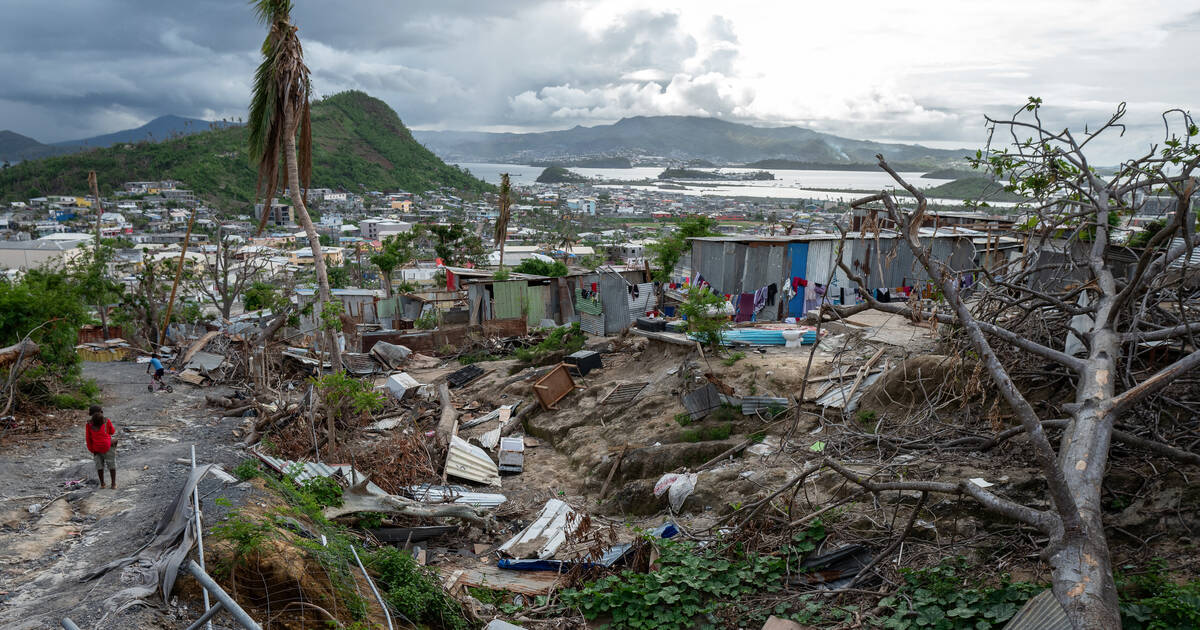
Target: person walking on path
(157, 366)
(98, 434)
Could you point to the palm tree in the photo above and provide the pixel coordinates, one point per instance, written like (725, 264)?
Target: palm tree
(502, 218)
(278, 109)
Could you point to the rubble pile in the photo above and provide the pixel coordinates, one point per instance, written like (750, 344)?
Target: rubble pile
(542, 472)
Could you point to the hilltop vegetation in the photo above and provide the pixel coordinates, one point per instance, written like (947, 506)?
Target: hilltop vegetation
(951, 173)
(682, 138)
(359, 144)
(560, 175)
(973, 188)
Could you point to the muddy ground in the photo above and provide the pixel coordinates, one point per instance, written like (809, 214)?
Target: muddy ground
(79, 528)
(572, 449)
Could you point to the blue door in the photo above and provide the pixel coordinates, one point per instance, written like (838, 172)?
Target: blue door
(798, 252)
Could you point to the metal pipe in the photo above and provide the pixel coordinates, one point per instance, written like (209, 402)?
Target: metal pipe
(371, 582)
(223, 597)
(68, 624)
(199, 529)
(208, 614)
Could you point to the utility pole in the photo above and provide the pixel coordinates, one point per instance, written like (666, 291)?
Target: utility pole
(162, 337)
(102, 308)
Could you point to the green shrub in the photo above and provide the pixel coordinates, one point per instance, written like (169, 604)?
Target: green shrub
(324, 490)
(247, 470)
(939, 597)
(567, 339)
(705, 319)
(369, 520)
(412, 590)
(691, 584)
(683, 418)
(536, 267)
(1152, 601)
(70, 401)
(427, 320)
(733, 358)
(246, 536)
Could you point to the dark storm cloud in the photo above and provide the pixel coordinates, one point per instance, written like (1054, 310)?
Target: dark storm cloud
(73, 68)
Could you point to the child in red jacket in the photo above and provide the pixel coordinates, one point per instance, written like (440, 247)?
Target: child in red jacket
(99, 435)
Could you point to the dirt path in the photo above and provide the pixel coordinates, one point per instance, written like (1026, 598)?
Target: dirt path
(44, 554)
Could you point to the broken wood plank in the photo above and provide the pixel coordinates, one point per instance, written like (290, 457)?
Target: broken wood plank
(613, 471)
(497, 579)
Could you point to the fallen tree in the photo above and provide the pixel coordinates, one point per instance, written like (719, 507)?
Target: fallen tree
(11, 354)
(358, 498)
(1071, 272)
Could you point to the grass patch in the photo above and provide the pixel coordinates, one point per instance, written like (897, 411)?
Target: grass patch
(683, 418)
(733, 358)
(707, 434)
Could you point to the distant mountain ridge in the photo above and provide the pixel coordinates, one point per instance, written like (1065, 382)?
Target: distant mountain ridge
(678, 138)
(15, 147)
(359, 144)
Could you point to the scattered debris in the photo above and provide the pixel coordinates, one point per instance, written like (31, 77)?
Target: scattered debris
(836, 569)
(678, 488)
(545, 534)
(464, 376)
(584, 361)
(532, 583)
(1041, 612)
(470, 462)
(429, 493)
(554, 386)
(392, 356)
(751, 405)
(699, 402)
(623, 393)
(402, 385)
(405, 535)
(512, 454)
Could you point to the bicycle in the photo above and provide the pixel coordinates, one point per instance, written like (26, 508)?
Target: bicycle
(161, 386)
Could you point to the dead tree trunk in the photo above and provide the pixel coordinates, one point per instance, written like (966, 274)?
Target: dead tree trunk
(1077, 552)
(10, 354)
(448, 419)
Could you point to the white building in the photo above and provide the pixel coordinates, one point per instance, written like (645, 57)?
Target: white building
(379, 229)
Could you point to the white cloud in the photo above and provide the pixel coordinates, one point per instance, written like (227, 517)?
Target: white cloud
(871, 68)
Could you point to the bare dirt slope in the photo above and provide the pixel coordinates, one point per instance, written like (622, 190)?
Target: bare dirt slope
(44, 554)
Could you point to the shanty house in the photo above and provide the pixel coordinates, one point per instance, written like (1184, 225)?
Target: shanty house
(788, 265)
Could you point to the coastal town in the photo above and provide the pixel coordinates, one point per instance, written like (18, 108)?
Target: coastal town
(658, 353)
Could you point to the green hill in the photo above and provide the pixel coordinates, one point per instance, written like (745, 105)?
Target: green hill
(974, 189)
(560, 175)
(359, 144)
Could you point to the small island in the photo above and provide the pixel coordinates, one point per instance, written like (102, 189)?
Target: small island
(717, 176)
(560, 175)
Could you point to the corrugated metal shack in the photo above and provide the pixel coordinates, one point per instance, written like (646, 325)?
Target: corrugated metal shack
(604, 301)
(736, 265)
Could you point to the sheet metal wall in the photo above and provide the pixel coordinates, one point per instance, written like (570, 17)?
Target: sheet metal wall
(536, 297)
(734, 268)
(507, 298)
(614, 296)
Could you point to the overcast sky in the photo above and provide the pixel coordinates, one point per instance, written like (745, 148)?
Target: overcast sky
(916, 72)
